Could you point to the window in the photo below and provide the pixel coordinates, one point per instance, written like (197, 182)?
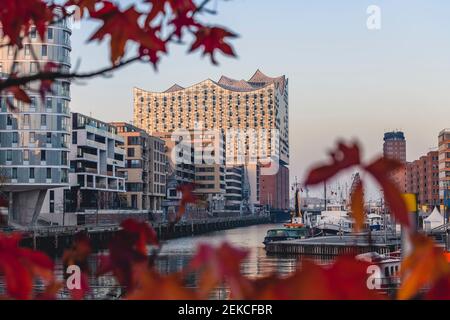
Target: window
(48, 103)
(49, 138)
(9, 155)
(9, 120)
(49, 34)
(26, 119)
(43, 120)
(26, 155)
(44, 50)
(33, 33)
(32, 137)
(33, 102)
(130, 152)
(74, 137)
(49, 176)
(27, 50)
(14, 173)
(31, 173)
(33, 67)
(43, 155)
(15, 137)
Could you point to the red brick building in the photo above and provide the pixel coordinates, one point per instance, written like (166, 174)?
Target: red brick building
(274, 189)
(394, 147)
(422, 178)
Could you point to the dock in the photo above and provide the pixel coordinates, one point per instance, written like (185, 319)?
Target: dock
(334, 245)
(59, 237)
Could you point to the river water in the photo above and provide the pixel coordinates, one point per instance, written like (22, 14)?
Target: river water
(176, 254)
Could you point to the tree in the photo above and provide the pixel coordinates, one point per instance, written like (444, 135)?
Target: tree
(142, 31)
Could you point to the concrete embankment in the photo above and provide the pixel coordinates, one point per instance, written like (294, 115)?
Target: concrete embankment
(56, 239)
(332, 246)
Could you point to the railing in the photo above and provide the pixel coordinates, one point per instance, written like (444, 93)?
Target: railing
(440, 229)
(55, 230)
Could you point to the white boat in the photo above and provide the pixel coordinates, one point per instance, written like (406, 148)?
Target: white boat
(375, 222)
(334, 222)
(385, 273)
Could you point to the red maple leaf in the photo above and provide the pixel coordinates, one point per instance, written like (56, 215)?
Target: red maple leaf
(440, 290)
(123, 26)
(344, 157)
(19, 94)
(177, 6)
(345, 279)
(78, 255)
(426, 265)
(128, 251)
(217, 265)
(187, 196)
(21, 266)
(16, 17)
(151, 45)
(181, 21)
(382, 170)
(154, 286)
(84, 5)
(212, 39)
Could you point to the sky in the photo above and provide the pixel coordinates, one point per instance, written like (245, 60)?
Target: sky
(345, 81)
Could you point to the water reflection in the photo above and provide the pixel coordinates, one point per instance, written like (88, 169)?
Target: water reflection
(176, 254)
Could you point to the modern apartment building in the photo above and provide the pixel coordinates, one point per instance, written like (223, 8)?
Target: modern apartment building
(254, 113)
(197, 157)
(145, 169)
(97, 157)
(422, 179)
(180, 169)
(34, 139)
(394, 147)
(444, 167)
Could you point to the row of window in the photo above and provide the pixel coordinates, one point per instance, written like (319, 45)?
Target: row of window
(40, 154)
(32, 174)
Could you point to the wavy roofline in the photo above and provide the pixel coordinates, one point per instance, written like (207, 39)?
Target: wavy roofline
(231, 84)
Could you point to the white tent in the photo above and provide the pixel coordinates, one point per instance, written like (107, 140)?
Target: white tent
(434, 220)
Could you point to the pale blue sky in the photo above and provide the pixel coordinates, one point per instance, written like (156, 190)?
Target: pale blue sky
(345, 81)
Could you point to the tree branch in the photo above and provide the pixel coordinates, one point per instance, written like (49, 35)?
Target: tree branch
(20, 81)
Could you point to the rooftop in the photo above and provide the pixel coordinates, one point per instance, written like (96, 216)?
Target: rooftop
(258, 81)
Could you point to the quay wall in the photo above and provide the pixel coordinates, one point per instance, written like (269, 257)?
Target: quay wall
(326, 249)
(56, 239)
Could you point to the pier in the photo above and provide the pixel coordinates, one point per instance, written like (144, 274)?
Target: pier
(59, 238)
(333, 246)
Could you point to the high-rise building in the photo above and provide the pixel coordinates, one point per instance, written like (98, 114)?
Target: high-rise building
(34, 138)
(422, 179)
(394, 147)
(258, 108)
(444, 167)
(145, 169)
